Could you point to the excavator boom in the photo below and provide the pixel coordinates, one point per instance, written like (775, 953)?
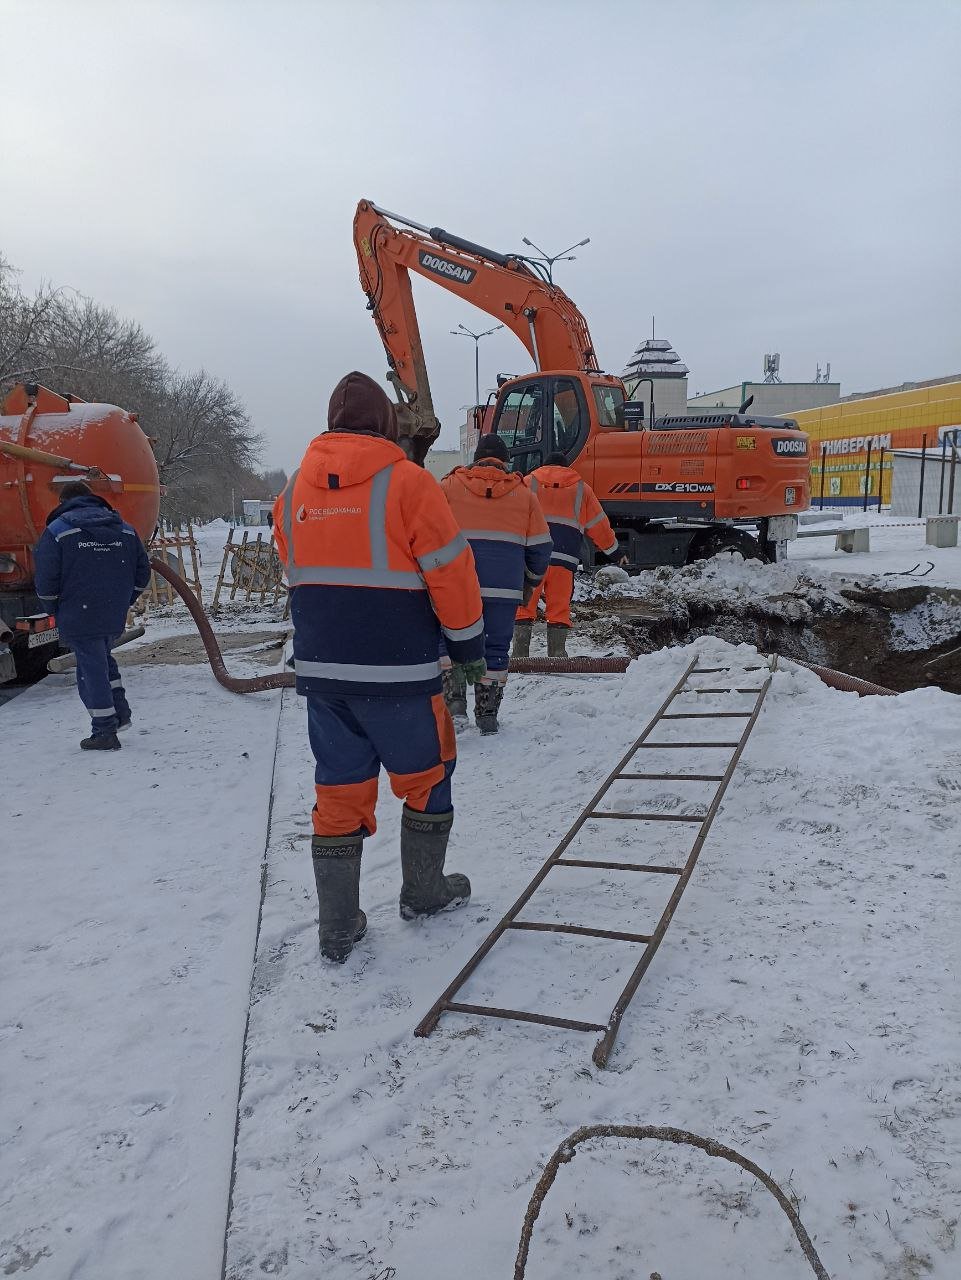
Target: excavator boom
(541, 315)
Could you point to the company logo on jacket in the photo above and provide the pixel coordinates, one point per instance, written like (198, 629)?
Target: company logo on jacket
(318, 513)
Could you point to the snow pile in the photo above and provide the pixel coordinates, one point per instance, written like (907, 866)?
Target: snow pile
(931, 622)
(729, 584)
(804, 1009)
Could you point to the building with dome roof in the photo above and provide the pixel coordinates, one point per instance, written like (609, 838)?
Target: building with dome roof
(656, 359)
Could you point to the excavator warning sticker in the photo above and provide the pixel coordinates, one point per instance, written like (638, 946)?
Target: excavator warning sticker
(746, 442)
(444, 267)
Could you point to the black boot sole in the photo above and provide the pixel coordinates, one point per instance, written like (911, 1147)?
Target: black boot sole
(409, 913)
(338, 954)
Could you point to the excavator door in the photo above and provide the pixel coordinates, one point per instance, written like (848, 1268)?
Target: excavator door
(541, 415)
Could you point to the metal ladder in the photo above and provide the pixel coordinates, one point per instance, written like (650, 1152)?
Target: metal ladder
(447, 1003)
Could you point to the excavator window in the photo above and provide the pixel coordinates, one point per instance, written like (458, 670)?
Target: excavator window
(569, 416)
(610, 407)
(520, 424)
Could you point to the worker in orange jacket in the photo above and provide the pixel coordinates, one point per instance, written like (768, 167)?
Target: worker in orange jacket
(505, 527)
(377, 570)
(572, 509)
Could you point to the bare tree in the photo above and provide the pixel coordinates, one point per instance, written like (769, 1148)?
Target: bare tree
(203, 438)
(25, 324)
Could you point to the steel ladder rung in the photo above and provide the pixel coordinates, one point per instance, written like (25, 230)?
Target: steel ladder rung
(617, 866)
(521, 1015)
(752, 689)
(545, 926)
(647, 817)
(685, 745)
(708, 715)
(716, 671)
(670, 777)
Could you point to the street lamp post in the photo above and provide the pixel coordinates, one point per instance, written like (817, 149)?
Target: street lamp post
(550, 259)
(463, 332)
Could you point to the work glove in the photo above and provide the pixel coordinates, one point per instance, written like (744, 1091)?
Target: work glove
(529, 589)
(474, 672)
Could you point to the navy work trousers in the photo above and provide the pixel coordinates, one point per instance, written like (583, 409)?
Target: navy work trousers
(351, 736)
(498, 633)
(99, 683)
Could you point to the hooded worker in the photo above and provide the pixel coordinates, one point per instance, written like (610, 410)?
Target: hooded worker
(572, 510)
(377, 570)
(505, 527)
(90, 567)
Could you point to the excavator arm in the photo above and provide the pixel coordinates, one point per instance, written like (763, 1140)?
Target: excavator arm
(542, 316)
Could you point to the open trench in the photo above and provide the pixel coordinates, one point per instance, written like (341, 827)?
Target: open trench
(901, 636)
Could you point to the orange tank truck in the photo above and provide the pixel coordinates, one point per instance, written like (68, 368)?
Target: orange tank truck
(47, 440)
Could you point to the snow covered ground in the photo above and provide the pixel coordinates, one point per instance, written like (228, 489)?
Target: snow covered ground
(897, 545)
(804, 1007)
(131, 887)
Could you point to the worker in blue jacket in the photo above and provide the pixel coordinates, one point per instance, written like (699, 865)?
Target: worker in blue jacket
(90, 566)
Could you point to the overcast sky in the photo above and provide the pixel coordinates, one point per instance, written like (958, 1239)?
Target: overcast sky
(782, 175)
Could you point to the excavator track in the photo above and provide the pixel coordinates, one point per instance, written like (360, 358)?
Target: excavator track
(753, 680)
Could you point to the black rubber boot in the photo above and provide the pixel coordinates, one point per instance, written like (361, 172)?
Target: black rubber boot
(337, 875)
(455, 690)
(487, 701)
(423, 847)
(101, 742)
(521, 647)
(557, 640)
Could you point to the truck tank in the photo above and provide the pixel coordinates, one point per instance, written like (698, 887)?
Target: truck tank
(47, 440)
(87, 435)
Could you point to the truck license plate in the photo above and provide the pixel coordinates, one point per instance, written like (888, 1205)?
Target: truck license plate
(36, 638)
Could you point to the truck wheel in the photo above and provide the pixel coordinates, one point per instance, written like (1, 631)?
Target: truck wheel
(725, 542)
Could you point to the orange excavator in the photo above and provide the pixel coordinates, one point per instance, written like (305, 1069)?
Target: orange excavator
(678, 489)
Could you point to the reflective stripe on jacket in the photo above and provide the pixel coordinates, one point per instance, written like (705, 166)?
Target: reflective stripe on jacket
(377, 568)
(572, 509)
(504, 524)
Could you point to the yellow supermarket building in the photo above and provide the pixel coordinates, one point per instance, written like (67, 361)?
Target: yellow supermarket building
(846, 435)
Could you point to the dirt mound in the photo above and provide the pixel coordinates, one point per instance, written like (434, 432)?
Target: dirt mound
(897, 634)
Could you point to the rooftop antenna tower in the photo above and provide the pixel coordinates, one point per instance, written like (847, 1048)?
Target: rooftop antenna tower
(772, 365)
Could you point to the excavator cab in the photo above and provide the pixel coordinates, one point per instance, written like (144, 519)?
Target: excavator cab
(547, 413)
